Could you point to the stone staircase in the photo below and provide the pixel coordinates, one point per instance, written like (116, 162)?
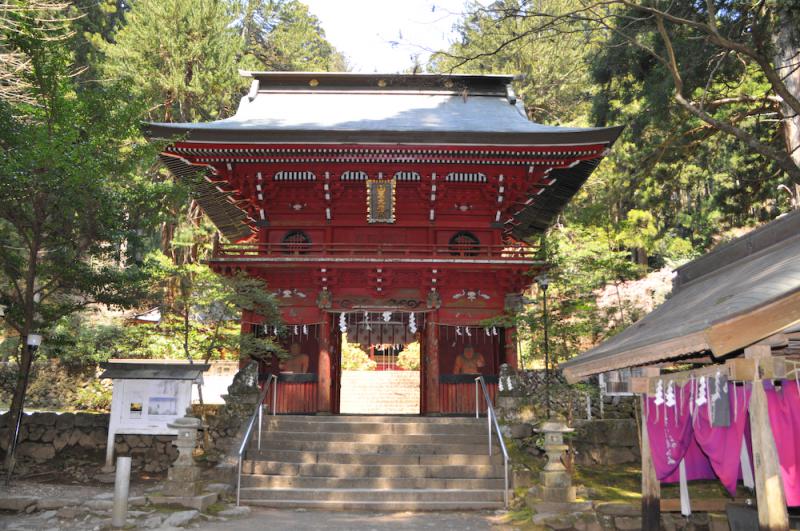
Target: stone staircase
(380, 392)
(380, 463)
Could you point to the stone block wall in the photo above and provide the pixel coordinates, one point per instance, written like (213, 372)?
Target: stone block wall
(44, 436)
(606, 442)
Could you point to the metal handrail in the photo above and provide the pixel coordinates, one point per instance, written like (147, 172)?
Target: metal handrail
(258, 413)
(491, 418)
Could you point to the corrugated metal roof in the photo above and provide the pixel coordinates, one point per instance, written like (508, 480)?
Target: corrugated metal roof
(723, 289)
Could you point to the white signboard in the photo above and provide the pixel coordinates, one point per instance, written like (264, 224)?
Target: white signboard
(146, 407)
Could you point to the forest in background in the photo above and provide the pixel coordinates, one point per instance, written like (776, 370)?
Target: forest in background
(708, 94)
(88, 220)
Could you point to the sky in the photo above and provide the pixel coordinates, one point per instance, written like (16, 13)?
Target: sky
(383, 35)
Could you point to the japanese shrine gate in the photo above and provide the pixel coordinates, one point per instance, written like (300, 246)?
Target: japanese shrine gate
(385, 207)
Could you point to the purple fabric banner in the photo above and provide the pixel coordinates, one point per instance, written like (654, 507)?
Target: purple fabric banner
(671, 439)
(784, 417)
(723, 445)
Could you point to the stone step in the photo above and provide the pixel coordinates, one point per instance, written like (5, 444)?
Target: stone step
(376, 506)
(396, 428)
(380, 392)
(309, 457)
(398, 448)
(277, 468)
(373, 495)
(270, 437)
(379, 483)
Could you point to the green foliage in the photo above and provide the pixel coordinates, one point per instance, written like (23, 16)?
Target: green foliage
(408, 358)
(186, 70)
(355, 359)
(200, 310)
(68, 179)
(282, 35)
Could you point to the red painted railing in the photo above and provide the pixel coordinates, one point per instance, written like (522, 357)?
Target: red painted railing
(371, 251)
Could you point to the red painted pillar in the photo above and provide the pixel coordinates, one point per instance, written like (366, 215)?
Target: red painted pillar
(324, 366)
(511, 347)
(432, 363)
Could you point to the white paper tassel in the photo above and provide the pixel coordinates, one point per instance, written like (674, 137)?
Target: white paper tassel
(702, 390)
(669, 397)
(387, 316)
(458, 330)
(342, 323)
(686, 505)
(659, 399)
(747, 469)
(296, 330)
(412, 324)
(305, 330)
(468, 332)
(494, 331)
(488, 333)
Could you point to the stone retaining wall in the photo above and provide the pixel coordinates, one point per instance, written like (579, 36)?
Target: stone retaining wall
(606, 442)
(43, 436)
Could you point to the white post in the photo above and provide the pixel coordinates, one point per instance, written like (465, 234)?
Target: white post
(122, 482)
(109, 466)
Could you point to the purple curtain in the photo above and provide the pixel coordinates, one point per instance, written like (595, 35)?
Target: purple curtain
(671, 439)
(723, 445)
(784, 417)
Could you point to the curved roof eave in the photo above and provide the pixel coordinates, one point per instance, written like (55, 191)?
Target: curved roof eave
(243, 135)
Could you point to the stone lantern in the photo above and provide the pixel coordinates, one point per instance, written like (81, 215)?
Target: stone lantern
(183, 485)
(183, 475)
(556, 483)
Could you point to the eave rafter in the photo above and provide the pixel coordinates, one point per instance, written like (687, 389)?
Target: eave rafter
(536, 183)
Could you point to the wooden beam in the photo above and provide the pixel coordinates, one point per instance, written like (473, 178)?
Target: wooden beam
(755, 325)
(699, 505)
(324, 365)
(510, 335)
(432, 362)
(651, 487)
(772, 513)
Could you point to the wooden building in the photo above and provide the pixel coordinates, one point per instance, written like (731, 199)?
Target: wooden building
(385, 207)
(732, 317)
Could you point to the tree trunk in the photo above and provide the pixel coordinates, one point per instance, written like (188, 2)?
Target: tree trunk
(787, 62)
(17, 403)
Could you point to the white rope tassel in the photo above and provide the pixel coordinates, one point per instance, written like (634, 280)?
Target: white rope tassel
(747, 469)
(686, 505)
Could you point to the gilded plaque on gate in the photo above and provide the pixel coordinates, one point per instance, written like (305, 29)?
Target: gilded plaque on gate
(380, 201)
